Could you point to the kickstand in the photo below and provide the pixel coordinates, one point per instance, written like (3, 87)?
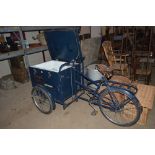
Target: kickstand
(94, 112)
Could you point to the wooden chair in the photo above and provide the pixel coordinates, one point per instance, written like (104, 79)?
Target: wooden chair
(117, 61)
(143, 68)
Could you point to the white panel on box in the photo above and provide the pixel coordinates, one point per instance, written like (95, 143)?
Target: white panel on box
(51, 66)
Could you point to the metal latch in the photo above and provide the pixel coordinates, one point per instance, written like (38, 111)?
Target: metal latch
(48, 85)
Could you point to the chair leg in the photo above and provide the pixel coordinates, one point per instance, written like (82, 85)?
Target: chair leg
(127, 72)
(122, 71)
(136, 77)
(148, 79)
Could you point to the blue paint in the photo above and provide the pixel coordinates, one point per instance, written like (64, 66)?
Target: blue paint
(64, 46)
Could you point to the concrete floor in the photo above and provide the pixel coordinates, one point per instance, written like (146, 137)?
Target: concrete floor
(18, 111)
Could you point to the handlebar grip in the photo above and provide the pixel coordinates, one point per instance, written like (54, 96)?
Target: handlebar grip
(66, 64)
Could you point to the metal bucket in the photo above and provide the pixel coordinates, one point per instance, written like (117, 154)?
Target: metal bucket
(93, 73)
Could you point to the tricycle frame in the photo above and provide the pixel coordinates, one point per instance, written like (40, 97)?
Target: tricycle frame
(95, 92)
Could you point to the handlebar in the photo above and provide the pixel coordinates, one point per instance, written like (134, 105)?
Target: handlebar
(64, 65)
(71, 63)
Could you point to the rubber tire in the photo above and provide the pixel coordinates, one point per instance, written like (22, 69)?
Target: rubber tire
(47, 95)
(136, 103)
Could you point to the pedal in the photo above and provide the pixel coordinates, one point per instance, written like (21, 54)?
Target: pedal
(94, 112)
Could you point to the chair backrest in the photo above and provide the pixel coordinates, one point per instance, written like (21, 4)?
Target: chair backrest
(146, 63)
(107, 46)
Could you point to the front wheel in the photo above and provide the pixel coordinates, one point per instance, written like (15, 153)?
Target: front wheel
(128, 109)
(42, 100)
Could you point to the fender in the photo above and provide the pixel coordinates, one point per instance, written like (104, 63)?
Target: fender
(123, 90)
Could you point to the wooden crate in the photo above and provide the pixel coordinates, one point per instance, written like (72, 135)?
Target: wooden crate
(145, 95)
(144, 116)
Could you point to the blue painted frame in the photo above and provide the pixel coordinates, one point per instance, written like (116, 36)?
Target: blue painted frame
(64, 45)
(98, 84)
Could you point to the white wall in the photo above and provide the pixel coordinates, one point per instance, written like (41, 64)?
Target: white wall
(33, 59)
(37, 58)
(4, 65)
(29, 36)
(90, 49)
(95, 31)
(85, 30)
(4, 68)
(103, 30)
(47, 56)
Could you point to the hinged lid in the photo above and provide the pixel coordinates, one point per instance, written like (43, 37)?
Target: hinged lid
(63, 44)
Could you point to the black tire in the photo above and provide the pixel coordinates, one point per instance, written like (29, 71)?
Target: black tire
(42, 99)
(126, 119)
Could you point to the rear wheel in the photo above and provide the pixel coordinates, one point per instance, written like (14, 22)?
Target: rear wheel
(42, 100)
(127, 112)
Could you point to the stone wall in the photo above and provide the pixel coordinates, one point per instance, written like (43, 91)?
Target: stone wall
(90, 50)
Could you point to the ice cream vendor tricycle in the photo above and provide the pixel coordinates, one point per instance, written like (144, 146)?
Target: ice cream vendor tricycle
(63, 81)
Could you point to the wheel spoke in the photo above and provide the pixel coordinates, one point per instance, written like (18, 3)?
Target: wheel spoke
(41, 100)
(125, 102)
(127, 113)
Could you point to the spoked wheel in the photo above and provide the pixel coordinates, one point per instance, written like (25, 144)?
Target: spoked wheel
(127, 112)
(42, 100)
